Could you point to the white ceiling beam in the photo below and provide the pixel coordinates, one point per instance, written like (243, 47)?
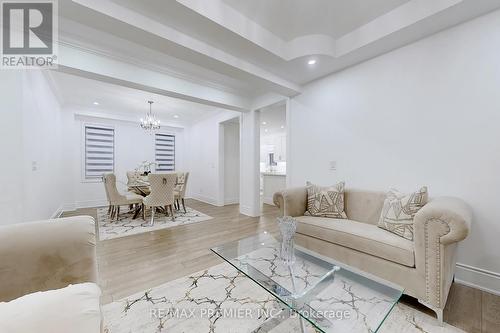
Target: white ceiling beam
(156, 28)
(396, 20)
(82, 62)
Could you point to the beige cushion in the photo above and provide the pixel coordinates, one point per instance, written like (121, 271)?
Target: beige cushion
(326, 201)
(363, 206)
(399, 211)
(72, 309)
(364, 237)
(133, 197)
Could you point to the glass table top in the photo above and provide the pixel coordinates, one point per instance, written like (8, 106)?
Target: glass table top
(331, 296)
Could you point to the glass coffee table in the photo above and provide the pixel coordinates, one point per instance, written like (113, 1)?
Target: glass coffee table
(331, 296)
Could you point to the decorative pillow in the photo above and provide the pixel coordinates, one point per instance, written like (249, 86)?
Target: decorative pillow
(326, 201)
(400, 209)
(72, 309)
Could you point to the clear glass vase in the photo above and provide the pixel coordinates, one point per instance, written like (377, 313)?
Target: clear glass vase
(288, 226)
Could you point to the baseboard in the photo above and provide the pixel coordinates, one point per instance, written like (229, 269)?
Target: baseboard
(231, 201)
(249, 211)
(205, 199)
(478, 278)
(83, 204)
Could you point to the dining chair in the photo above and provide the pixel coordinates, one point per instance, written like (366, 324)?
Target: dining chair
(107, 195)
(117, 199)
(162, 194)
(180, 189)
(132, 177)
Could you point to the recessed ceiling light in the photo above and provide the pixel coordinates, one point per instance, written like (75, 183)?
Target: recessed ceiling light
(282, 126)
(265, 130)
(264, 123)
(311, 62)
(96, 103)
(176, 116)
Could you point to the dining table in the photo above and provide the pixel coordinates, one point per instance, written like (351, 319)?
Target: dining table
(139, 186)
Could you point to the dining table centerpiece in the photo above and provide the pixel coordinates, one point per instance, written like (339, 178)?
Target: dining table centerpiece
(145, 168)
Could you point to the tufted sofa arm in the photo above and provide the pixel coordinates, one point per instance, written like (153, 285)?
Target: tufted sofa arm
(453, 212)
(292, 201)
(438, 226)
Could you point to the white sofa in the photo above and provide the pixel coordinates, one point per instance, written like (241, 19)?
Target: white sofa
(48, 277)
(424, 267)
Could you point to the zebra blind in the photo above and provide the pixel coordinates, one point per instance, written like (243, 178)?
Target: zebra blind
(99, 151)
(165, 152)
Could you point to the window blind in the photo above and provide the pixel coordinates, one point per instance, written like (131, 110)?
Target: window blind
(99, 151)
(165, 152)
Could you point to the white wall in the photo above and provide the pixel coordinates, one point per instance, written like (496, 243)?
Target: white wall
(425, 114)
(31, 152)
(231, 163)
(11, 145)
(132, 146)
(203, 142)
(42, 149)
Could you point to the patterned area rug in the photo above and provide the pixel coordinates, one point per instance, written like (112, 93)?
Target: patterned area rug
(127, 226)
(221, 299)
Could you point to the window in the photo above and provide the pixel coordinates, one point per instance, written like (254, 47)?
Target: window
(99, 151)
(165, 152)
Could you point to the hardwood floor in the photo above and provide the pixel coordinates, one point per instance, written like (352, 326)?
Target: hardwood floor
(131, 264)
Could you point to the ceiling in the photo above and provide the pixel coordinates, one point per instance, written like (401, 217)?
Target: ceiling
(289, 19)
(256, 47)
(124, 103)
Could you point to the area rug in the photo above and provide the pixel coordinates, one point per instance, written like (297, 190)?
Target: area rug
(126, 225)
(221, 299)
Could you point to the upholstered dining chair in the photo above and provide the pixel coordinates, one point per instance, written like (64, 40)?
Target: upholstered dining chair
(117, 199)
(162, 194)
(107, 195)
(132, 177)
(180, 189)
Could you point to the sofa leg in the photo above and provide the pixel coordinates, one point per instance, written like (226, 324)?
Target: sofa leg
(439, 312)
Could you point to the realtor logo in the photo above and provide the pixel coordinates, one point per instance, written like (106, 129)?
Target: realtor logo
(29, 33)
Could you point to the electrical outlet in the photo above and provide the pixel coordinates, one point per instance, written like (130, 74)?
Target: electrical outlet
(34, 166)
(333, 165)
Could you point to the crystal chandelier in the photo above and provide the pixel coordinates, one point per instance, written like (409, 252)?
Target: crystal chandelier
(150, 123)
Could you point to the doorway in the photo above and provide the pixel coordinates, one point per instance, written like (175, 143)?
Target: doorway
(231, 161)
(273, 156)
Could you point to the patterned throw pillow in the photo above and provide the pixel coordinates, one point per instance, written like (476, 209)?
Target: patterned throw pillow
(399, 211)
(326, 201)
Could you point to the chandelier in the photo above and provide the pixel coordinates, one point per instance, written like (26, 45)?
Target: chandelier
(150, 123)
